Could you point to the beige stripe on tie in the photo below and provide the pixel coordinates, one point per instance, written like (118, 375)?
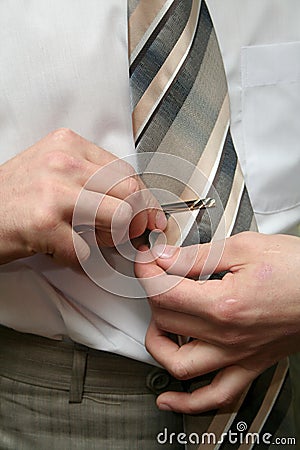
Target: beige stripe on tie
(222, 422)
(143, 22)
(268, 402)
(160, 84)
(233, 202)
(209, 160)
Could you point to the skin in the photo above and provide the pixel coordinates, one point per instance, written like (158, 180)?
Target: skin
(240, 325)
(40, 187)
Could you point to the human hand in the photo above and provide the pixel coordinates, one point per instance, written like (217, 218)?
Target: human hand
(241, 324)
(40, 187)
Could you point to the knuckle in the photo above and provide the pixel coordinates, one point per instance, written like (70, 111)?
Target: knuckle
(155, 303)
(63, 135)
(123, 213)
(159, 300)
(179, 370)
(160, 321)
(227, 311)
(60, 161)
(132, 185)
(243, 241)
(124, 169)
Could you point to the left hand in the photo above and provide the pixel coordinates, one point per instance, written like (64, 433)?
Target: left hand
(240, 325)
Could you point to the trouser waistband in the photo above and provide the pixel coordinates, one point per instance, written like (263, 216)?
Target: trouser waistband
(76, 368)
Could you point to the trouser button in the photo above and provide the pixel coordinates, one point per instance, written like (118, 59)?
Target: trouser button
(158, 380)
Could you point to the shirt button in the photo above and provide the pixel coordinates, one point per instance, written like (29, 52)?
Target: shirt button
(158, 380)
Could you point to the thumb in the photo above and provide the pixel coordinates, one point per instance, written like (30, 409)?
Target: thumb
(195, 260)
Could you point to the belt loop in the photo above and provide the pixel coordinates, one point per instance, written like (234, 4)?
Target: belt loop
(80, 354)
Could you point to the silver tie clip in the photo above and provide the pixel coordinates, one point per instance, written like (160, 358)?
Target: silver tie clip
(189, 205)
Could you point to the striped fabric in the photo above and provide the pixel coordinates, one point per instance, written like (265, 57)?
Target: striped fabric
(181, 107)
(180, 102)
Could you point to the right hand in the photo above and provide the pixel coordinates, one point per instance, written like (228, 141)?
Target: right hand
(39, 189)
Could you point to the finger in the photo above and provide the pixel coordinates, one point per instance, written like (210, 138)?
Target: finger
(138, 225)
(117, 224)
(190, 360)
(154, 280)
(144, 205)
(159, 345)
(108, 214)
(188, 325)
(212, 299)
(122, 232)
(156, 216)
(128, 186)
(203, 259)
(102, 170)
(106, 173)
(110, 181)
(224, 390)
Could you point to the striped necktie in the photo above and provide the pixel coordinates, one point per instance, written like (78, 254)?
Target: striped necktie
(181, 107)
(180, 101)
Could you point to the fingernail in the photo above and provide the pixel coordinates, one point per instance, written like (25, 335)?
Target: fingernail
(161, 220)
(164, 251)
(164, 407)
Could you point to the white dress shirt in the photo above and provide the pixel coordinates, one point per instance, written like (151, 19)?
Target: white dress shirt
(52, 59)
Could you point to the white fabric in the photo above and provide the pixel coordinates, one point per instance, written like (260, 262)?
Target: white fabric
(64, 64)
(260, 44)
